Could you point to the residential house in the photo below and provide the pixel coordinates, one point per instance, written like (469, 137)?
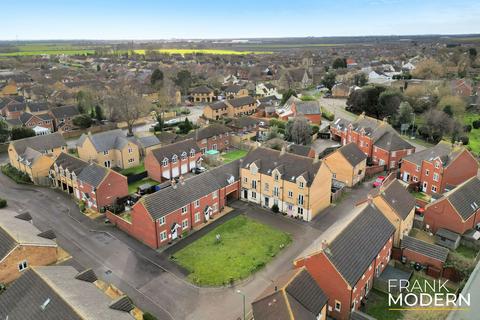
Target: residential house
(293, 296)
(172, 161)
(397, 205)
(462, 87)
(164, 216)
(31, 121)
(348, 164)
(376, 138)
(61, 292)
(35, 155)
(267, 90)
(147, 143)
(301, 150)
(242, 106)
(308, 109)
(439, 168)
(244, 127)
(340, 90)
(13, 110)
(8, 88)
(457, 210)
(212, 137)
(37, 108)
(22, 245)
(110, 149)
(216, 110)
(63, 117)
(235, 91)
(295, 79)
(97, 186)
(202, 94)
(299, 186)
(346, 267)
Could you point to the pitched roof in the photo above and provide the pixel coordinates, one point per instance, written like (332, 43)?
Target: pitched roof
(465, 198)
(243, 122)
(201, 90)
(398, 198)
(233, 88)
(169, 199)
(208, 132)
(40, 143)
(352, 153)
(65, 112)
(391, 141)
(354, 249)
(427, 249)
(93, 174)
(107, 140)
(299, 149)
(296, 292)
(443, 151)
(148, 141)
(67, 161)
(7, 243)
(176, 148)
(37, 106)
(53, 293)
(241, 101)
(218, 105)
(289, 165)
(307, 107)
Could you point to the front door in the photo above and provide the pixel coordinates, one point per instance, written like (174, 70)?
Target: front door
(406, 176)
(267, 202)
(424, 187)
(245, 194)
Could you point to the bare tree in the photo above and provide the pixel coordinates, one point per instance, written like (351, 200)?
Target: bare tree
(124, 104)
(300, 131)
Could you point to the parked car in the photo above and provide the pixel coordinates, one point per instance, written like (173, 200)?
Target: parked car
(379, 181)
(173, 121)
(198, 170)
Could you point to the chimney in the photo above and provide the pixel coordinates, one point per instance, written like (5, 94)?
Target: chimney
(369, 199)
(324, 244)
(362, 115)
(276, 289)
(182, 180)
(385, 120)
(174, 184)
(316, 158)
(283, 151)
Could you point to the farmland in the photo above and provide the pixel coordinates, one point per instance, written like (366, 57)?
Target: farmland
(204, 51)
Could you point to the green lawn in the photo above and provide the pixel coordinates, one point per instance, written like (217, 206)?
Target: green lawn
(378, 307)
(234, 155)
(132, 188)
(466, 252)
(474, 135)
(245, 247)
(133, 170)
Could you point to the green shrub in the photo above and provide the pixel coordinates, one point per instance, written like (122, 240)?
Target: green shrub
(15, 174)
(275, 208)
(149, 316)
(81, 206)
(476, 124)
(3, 203)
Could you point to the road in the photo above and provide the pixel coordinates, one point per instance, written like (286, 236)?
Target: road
(153, 282)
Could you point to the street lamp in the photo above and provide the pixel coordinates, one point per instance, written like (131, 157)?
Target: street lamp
(243, 296)
(413, 127)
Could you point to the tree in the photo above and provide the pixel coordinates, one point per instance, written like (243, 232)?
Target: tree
(21, 133)
(448, 110)
(83, 121)
(367, 100)
(184, 80)
(160, 123)
(405, 111)
(339, 63)
(457, 104)
(99, 68)
(157, 76)
(287, 95)
(299, 131)
(437, 125)
(185, 126)
(126, 105)
(99, 113)
(388, 103)
(472, 53)
(360, 79)
(329, 79)
(428, 69)
(85, 101)
(4, 132)
(149, 316)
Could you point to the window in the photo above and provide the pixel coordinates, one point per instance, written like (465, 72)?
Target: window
(290, 194)
(105, 152)
(161, 221)
(22, 265)
(427, 172)
(300, 211)
(130, 150)
(276, 177)
(163, 236)
(197, 203)
(254, 184)
(301, 184)
(174, 158)
(245, 179)
(185, 224)
(266, 186)
(184, 155)
(192, 153)
(434, 189)
(197, 216)
(254, 195)
(184, 210)
(418, 169)
(415, 179)
(437, 164)
(215, 207)
(214, 147)
(338, 306)
(435, 176)
(215, 194)
(334, 175)
(290, 207)
(131, 160)
(253, 169)
(300, 199)
(165, 162)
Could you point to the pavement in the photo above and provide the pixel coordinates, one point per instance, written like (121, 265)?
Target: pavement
(149, 277)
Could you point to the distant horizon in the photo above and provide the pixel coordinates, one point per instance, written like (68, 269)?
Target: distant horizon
(149, 20)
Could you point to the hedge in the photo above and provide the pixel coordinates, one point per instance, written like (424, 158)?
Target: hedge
(16, 175)
(3, 203)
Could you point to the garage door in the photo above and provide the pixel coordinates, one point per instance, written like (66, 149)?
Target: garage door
(175, 172)
(193, 164)
(184, 168)
(166, 174)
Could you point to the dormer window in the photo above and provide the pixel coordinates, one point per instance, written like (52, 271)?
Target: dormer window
(276, 177)
(174, 158)
(165, 162)
(105, 152)
(192, 153)
(301, 184)
(184, 155)
(437, 164)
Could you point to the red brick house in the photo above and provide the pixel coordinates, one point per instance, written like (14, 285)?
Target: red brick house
(440, 168)
(308, 109)
(212, 137)
(63, 117)
(43, 120)
(458, 210)
(427, 254)
(14, 110)
(376, 138)
(172, 160)
(163, 216)
(345, 269)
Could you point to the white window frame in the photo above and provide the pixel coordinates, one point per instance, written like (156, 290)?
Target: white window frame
(22, 265)
(184, 210)
(197, 216)
(163, 236)
(161, 221)
(185, 224)
(339, 304)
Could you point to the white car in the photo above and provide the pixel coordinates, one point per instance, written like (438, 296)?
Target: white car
(172, 121)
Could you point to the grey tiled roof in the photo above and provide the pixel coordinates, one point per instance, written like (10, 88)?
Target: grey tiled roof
(148, 141)
(290, 165)
(391, 141)
(443, 150)
(299, 149)
(37, 106)
(108, 140)
(25, 297)
(40, 143)
(7, 243)
(233, 88)
(273, 307)
(466, 198)
(352, 153)
(242, 101)
(176, 148)
(305, 290)
(307, 107)
(218, 105)
(208, 132)
(66, 161)
(354, 249)
(93, 174)
(65, 112)
(170, 199)
(201, 90)
(398, 198)
(424, 248)
(243, 122)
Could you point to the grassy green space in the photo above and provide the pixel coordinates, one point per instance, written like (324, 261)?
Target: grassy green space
(133, 170)
(126, 216)
(50, 52)
(466, 252)
(134, 186)
(205, 51)
(245, 247)
(378, 307)
(474, 135)
(234, 155)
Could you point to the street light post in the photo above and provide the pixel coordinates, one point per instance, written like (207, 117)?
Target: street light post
(243, 297)
(413, 127)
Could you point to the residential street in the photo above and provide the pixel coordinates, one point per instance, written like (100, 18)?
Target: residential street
(153, 282)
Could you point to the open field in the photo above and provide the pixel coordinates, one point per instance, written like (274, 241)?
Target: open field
(245, 246)
(474, 135)
(204, 51)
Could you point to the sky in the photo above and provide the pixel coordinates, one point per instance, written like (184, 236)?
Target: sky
(205, 19)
